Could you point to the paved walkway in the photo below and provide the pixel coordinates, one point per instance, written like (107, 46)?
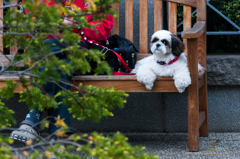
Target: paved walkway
(175, 145)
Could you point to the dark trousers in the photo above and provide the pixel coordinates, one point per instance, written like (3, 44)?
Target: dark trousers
(34, 116)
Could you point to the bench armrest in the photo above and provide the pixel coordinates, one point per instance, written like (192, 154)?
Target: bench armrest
(198, 29)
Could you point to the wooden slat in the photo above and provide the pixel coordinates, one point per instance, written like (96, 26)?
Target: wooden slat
(172, 22)
(203, 106)
(187, 21)
(203, 38)
(17, 90)
(202, 50)
(201, 10)
(192, 3)
(1, 23)
(4, 60)
(115, 29)
(143, 26)
(202, 118)
(200, 82)
(187, 17)
(129, 20)
(203, 103)
(141, 56)
(193, 100)
(113, 78)
(122, 83)
(196, 31)
(13, 49)
(162, 84)
(3, 79)
(158, 15)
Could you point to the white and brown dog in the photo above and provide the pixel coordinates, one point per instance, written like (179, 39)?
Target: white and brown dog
(168, 60)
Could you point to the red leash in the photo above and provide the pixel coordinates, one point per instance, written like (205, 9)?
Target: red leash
(107, 49)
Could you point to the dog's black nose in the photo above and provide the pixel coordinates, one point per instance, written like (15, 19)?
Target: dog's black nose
(158, 45)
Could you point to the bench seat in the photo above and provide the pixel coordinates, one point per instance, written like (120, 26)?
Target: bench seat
(129, 83)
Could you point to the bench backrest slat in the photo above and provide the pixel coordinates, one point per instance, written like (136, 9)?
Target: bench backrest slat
(115, 29)
(143, 26)
(172, 22)
(129, 20)
(187, 21)
(158, 15)
(13, 49)
(192, 3)
(202, 40)
(201, 9)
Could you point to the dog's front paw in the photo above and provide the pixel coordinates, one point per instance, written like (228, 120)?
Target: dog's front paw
(182, 84)
(181, 89)
(182, 81)
(149, 86)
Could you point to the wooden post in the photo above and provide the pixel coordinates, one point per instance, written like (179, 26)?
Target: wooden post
(193, 98)
(203, 105)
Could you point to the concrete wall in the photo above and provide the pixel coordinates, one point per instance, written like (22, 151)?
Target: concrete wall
(160, 112)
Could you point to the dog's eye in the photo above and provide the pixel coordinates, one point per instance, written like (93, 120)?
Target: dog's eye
(155, 40)
(165, 42)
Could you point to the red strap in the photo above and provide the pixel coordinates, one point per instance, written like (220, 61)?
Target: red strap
(122, 61)
(122, 73)
(118, 56)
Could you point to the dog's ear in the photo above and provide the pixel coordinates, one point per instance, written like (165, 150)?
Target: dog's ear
(177, 45)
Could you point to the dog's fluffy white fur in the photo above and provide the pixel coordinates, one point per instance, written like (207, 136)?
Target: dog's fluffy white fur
(165, 47)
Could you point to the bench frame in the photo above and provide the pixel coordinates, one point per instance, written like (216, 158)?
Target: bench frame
(195, 41)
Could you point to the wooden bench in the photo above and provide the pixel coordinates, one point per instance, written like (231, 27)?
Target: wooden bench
(195, 40)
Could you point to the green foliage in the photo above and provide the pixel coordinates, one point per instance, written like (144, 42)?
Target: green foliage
(34, 98)
(5, 152)
(220, 44)
(85, 102)
(95, 102)
(230, 8)
(223, 43)
(8, 91)
(6, 116)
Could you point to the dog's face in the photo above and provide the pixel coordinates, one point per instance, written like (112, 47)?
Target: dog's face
(164, 42)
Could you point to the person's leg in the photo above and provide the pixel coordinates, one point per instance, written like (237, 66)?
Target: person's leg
(62, 110)
(33, 118)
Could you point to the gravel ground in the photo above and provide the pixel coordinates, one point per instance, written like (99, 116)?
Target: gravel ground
(175, 145)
